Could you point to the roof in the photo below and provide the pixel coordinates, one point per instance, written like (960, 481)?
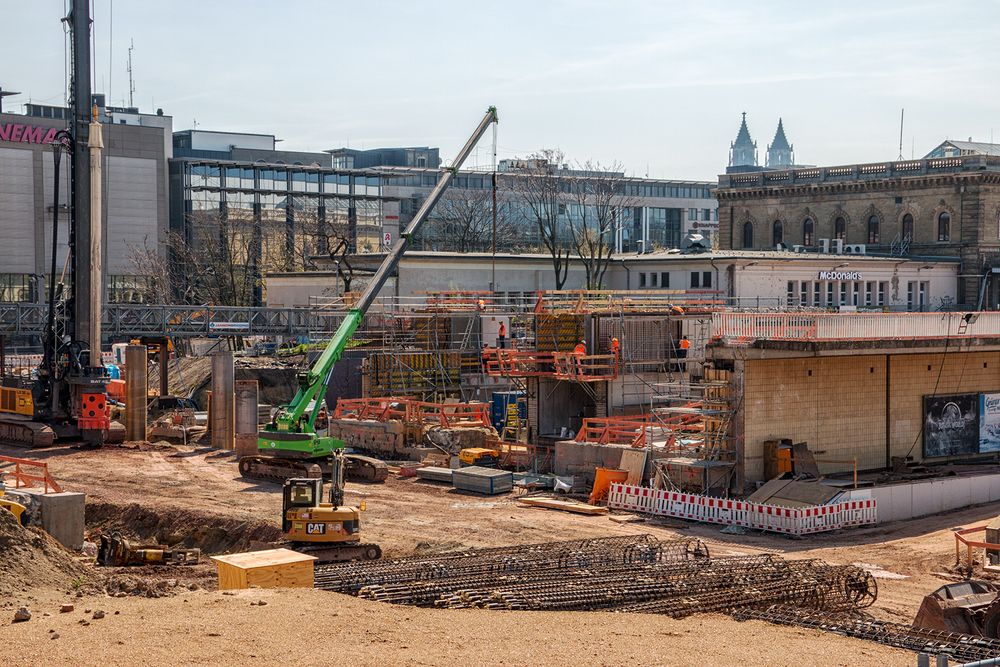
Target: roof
(743, 136)
(977, 147)
(780, 140)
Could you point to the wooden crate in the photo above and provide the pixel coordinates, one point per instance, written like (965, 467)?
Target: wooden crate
(273, 568)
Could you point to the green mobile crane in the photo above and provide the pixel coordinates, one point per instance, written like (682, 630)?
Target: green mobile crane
(292, 445)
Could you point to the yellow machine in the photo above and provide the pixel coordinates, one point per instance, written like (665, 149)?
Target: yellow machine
(17, 509)
(479, 456)
(329, 531)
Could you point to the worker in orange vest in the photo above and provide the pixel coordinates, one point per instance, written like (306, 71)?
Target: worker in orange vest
(685, 345)
(581, 347)
(616, 347)
(502, 336)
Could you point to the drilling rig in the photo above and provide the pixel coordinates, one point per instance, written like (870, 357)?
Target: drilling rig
(67, 398)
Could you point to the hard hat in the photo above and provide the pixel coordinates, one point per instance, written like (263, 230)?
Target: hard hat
(583, 342)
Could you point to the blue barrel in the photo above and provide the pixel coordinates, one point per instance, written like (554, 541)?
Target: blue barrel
(113, 371)
(498, 407)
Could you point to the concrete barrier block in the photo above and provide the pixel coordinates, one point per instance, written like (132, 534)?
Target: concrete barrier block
(61, 515)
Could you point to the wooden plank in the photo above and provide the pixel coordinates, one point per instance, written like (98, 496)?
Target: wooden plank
(564, 505)
(266, 558)
(633, 462)
(290, 575)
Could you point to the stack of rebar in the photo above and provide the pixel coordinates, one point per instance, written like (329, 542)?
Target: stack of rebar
(484, 563)
(934, 642)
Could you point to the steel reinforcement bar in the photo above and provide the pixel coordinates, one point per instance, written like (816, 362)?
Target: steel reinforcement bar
(352, 577)
(960, 647)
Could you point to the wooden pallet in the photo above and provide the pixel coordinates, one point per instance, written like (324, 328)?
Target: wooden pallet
(564, 505)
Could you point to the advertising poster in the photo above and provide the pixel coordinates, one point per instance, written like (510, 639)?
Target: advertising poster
(989, 423)
(951, 425)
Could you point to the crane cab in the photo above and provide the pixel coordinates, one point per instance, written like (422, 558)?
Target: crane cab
(306, 519)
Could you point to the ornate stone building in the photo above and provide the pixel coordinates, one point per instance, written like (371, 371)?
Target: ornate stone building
(947, 207)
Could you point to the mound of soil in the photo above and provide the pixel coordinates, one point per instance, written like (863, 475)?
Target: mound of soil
(30, 558)
(212, 533)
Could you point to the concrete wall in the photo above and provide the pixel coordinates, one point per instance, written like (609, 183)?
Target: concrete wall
(17, 208)
(838, 404)
(899, 502)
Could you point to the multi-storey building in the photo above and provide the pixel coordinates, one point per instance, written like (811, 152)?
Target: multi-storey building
(912, 209)
(137, 146)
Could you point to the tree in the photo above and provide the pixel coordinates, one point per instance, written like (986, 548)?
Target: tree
(463, 221)
(538, 186)
(601, 204)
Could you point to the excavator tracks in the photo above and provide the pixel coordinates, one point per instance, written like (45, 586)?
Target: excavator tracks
(25, 433)
(277, 470)
(326, 553)
(274, 469)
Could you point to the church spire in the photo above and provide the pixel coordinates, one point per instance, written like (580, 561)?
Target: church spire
(743, 151)
(780, 152)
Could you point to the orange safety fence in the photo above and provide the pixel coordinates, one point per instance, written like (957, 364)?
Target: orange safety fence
(498, 362)
(629, 430)
(23, 478)
(970, 545)
(412, 411)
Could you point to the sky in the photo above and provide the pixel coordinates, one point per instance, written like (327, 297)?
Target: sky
(656, 87)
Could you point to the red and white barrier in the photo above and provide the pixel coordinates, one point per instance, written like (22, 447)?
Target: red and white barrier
(758, 516)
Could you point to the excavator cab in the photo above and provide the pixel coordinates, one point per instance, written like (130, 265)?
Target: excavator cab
(300, 492)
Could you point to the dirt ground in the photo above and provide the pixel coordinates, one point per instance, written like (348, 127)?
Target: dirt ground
(195, 497)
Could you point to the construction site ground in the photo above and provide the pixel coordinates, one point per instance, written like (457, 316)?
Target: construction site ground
(195, 497)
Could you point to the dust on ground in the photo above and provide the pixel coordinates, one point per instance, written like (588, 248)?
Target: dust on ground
(183, 495)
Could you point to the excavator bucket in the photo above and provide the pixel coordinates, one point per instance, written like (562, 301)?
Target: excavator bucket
(968, 607)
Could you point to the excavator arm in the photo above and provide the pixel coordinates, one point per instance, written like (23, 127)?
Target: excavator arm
(313, 384)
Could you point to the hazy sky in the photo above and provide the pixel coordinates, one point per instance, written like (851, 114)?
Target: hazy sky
(656, 86)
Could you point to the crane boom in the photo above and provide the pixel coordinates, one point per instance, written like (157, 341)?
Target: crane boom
(313, 383)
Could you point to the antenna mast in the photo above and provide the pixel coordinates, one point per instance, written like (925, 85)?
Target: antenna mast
(901, 111)
(131, 81)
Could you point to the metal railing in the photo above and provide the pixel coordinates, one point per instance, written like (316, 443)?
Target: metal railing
(852, 326)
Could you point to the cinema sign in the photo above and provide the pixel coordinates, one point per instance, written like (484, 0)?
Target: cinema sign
(27, 134)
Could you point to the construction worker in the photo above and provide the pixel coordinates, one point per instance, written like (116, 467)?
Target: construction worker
(486, 358)
(676, 310)
(616, 347)
(502, 336)
(481, 304)
(581, 348)
(683, 346)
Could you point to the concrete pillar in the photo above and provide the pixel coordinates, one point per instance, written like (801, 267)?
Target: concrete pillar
(246, 417)
(223, 412)
(136, 392)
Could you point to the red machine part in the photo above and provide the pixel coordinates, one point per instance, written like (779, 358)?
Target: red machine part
(94, 414)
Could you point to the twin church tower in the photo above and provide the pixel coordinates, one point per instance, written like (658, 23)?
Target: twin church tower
(743, 151)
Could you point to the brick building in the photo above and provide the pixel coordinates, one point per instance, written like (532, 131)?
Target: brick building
(911, 209)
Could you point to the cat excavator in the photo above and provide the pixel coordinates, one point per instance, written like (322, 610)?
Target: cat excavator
(294, 445)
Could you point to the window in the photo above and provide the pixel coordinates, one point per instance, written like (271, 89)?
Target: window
(665, 279)
(652, 279)
(873, 234)
(792, 289)
(695, 279)
(882, 289)
(923, 295)
(869, 293)
(16, 287)
(706, 214)
(855, 294)
(816, 299)
(840, 229)
(911, 288)
(777, 235)
(843, 294)
(642, 279)
(804, 294)
(944, 226)
(706, 279)
(907, 227)
(748, 234)
(807, 232)
(692, 214)
(829, 294)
